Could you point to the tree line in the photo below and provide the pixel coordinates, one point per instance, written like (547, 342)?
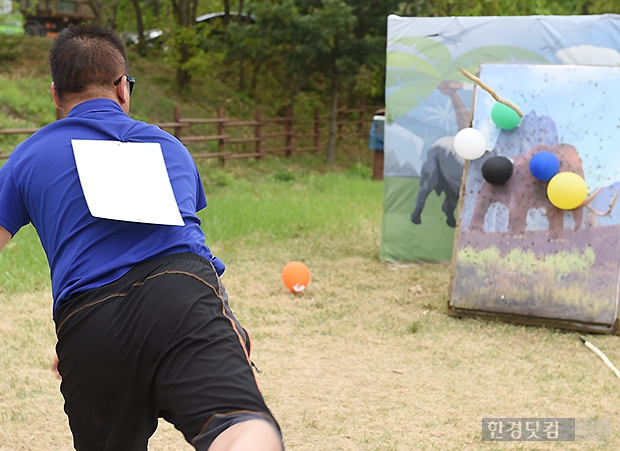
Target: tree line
(335, 48)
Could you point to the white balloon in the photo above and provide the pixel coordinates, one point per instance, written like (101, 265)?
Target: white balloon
(470, 144)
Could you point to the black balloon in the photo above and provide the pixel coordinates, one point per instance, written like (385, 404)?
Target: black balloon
(497, 170)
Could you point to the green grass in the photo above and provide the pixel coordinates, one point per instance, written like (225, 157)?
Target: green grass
(23, 266)
(26, 102)
(310, 204)
(271, 201)
(432, 240)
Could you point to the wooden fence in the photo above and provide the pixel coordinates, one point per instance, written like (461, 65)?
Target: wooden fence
(223, 138)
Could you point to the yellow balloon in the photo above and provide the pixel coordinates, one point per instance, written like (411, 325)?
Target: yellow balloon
(567, 190)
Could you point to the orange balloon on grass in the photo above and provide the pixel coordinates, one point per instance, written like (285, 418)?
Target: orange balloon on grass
(296, 276)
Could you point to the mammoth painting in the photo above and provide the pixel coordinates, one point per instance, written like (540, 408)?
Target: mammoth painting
(523, 192)
(517, 256)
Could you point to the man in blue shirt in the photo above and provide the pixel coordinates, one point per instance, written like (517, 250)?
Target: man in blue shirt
(142, 319)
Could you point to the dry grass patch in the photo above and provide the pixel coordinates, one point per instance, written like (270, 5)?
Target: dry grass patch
(365, 359)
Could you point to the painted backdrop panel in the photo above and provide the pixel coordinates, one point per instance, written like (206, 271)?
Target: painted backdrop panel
(517, 254)
(428, 101)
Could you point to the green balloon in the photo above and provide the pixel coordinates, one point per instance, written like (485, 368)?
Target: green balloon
(504, 117)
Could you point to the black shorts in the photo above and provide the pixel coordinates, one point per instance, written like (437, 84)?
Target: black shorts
(159, 342)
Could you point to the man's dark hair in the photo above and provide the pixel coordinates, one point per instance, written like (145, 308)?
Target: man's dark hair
(84, 56)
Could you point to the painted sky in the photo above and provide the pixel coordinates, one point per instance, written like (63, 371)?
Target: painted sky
(541, 34)
(581, 100)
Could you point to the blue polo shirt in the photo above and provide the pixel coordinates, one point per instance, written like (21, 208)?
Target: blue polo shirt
(39, 184)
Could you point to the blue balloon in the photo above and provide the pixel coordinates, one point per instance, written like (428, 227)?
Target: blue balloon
(544, 165)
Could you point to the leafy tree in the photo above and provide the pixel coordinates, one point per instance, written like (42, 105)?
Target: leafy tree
(105, 12)
(329, 44)
(371, 26)
(187, 42)
(184, 12)
(271, 42)
(341, 38)
(321, 39)
(182, 39)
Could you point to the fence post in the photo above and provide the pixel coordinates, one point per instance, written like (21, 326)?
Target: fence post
(317, 120)
(257, 132)
(360, 124)
(221, 131)
(288, 127)
(340, 118)
(176, 114)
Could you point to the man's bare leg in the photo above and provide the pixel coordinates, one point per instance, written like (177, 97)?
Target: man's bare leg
(251, 435)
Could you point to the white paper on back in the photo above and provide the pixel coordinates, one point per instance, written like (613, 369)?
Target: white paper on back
(126, 181)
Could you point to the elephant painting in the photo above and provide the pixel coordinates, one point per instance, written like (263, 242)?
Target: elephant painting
(442, 171)
(523, 192)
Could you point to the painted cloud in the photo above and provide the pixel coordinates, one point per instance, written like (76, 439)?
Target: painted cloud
(589, 54)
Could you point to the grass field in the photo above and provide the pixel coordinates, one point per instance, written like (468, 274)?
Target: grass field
(365, 359)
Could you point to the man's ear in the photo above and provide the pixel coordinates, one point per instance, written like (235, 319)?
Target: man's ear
(55, 96)
(122, 92)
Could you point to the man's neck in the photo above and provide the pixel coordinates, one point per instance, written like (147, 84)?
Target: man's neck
(68, 105)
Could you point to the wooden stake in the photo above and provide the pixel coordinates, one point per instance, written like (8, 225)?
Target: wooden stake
(491, 91)
(603, 357)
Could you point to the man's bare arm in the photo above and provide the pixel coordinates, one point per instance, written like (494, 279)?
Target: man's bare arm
(5, 236)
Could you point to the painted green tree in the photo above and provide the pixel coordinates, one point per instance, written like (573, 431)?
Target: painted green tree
(414, 72)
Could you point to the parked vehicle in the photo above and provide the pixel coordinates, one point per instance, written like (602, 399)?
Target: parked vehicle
(234, 17)
(49, 17)
(151, 37)
(155, 37)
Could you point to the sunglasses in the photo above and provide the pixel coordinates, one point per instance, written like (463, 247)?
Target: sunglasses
(130, 80)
